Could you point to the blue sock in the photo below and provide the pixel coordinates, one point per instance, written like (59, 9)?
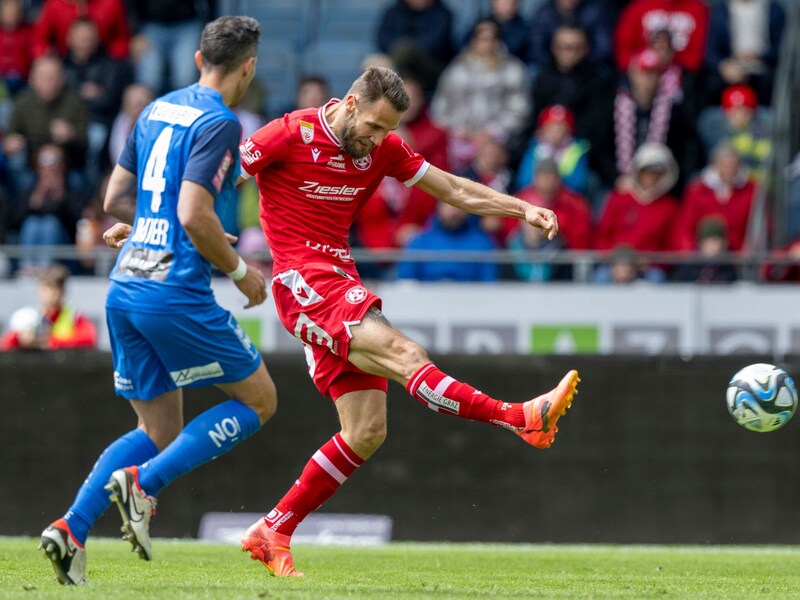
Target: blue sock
(209, 435)
(133, 448)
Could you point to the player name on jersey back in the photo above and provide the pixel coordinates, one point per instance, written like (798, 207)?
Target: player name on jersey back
(174, 114)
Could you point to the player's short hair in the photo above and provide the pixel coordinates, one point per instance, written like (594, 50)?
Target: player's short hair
(228, 41)
(379, 82)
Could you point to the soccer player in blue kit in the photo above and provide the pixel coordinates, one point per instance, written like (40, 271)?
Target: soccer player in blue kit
(166, 330)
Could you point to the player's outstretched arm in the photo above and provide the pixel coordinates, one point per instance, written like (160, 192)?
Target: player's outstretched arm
(202, 225)
(482, 200)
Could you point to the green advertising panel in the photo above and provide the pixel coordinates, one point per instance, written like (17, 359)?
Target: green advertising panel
(565, 339)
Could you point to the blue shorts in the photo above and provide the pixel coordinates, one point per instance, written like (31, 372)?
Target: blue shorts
(157, 353)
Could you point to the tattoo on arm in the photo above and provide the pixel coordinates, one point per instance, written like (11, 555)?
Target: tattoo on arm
(374, 314)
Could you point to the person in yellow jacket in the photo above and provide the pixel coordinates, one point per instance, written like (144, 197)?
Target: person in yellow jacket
(59, 325)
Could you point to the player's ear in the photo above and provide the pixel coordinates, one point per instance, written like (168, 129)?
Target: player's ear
(249, 65)
(351, 102)
(198, 60)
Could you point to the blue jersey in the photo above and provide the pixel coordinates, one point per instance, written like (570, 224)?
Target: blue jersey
(188, 134)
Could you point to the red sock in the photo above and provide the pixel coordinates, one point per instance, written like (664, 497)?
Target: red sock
(444, 394)
(330, 466)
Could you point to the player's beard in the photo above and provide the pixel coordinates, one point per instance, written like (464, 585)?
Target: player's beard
(350, 142)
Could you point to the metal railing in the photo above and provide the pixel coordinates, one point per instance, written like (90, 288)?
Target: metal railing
(749, 265)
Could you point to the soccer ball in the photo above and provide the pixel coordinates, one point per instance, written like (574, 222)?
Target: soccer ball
(762, 397)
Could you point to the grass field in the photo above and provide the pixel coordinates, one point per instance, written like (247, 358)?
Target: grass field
(185, 569)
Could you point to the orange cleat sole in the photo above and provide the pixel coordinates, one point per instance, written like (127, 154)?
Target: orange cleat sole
(542, 413)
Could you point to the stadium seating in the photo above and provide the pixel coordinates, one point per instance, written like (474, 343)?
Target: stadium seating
(337, 60)
(465, 13)
(277, 68)
(284, 20)
(350, 20)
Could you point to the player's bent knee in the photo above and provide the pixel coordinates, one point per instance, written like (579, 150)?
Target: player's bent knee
(367, 438)
(256, 392)
(264, 403)
(162, 434)
(412, 356)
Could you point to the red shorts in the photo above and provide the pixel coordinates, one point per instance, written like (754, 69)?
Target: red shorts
(318, 303)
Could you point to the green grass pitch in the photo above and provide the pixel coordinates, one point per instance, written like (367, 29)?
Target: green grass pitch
(188, 569)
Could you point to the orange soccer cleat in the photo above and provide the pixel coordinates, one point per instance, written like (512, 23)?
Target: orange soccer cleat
(271, 548)
(542, 413)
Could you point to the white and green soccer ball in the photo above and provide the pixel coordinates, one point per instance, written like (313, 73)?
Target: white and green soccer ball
(762, 397)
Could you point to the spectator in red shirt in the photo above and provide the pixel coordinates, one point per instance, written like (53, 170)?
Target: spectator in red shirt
(641, 215)
(686, 20)
(51, 28)
(15, 45)
(723, 188)
(574, 218)
(60, 326)
(572, 210)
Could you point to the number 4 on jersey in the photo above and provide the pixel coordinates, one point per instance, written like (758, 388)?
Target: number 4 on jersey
(153, 179)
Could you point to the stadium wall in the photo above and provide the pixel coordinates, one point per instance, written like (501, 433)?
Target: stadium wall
(648, 454)
(521, 318)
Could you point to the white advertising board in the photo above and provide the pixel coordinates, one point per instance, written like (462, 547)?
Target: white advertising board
(520, 318)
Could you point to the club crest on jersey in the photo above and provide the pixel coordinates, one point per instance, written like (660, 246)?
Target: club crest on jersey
(307, 132)
(363, 163)
(355, 295)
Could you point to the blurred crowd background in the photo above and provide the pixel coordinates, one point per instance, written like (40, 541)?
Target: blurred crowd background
(659, 131)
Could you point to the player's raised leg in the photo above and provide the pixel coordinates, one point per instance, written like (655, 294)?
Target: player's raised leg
(362, 415)
(377, 347)
(208, 436)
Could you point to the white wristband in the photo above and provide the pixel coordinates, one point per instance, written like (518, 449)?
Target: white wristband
(240, 271)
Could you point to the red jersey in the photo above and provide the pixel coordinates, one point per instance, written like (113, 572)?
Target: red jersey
(56, 17)
(645, 227)
(700, 201)
(686, 20)
(310, 190)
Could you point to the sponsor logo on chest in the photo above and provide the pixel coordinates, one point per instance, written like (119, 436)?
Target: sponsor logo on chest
(336, 162)
(336, 193)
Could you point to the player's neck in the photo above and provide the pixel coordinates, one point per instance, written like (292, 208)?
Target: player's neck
(224, 85)
(335, 114)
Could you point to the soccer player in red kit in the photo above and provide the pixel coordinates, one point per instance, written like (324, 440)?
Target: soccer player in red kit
(315, 168)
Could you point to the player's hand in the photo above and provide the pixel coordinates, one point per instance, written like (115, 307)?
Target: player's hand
(253, 286)
(543, 219)
(117, 235)
(231, 238)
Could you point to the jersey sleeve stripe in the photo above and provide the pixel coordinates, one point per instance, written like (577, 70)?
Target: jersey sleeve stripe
(423, 168)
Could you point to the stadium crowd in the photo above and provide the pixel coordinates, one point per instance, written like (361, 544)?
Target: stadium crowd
(644, 124)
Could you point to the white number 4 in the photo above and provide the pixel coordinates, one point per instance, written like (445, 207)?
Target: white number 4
(153, 179)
